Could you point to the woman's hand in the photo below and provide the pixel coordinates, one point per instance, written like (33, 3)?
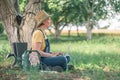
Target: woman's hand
(56, 53)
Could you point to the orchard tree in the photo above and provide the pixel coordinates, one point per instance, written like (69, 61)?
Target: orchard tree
(91, 11)
(63, 13)
(19, 26)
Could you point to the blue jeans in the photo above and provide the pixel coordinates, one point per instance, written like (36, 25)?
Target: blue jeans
(56, 61)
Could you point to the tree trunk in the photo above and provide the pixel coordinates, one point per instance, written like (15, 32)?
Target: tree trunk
(89, 28)
(57, 33)
(78, 31)
(8, 14)
(28, 22)
(69, 30)
(58, 29)
(89, 33)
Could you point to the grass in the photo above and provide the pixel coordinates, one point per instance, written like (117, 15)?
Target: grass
(95, 51)
(98, 59)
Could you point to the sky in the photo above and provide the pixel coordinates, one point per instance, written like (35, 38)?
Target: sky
(113, 22)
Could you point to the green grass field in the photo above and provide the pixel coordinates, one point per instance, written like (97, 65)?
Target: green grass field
(98, 59)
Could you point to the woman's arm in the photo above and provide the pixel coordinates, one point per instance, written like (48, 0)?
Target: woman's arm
(34, 59)
(37, 47)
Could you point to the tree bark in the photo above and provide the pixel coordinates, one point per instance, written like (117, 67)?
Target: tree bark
(89, 28)
(17, 7)
(28, 22)
(15, 32)
(57, 33)
(8, 14)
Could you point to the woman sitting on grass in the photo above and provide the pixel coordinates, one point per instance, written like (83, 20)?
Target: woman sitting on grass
(41, 44)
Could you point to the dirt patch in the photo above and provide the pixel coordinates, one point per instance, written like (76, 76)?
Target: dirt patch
(7, 73)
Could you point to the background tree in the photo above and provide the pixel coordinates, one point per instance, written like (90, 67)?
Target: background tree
(92, 11)
(65, 12)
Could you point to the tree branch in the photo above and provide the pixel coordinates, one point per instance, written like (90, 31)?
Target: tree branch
(17, 7)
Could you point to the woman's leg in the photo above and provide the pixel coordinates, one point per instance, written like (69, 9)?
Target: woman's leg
(55, 61)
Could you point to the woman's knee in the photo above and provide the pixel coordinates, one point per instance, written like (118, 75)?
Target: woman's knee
(62, 59)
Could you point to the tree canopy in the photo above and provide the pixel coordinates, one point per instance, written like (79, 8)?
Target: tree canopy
(63, 12)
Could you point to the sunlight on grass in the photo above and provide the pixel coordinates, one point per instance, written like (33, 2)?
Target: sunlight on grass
(97, 53)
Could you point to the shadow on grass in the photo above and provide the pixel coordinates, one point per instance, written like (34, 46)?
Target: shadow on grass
(77, 74)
